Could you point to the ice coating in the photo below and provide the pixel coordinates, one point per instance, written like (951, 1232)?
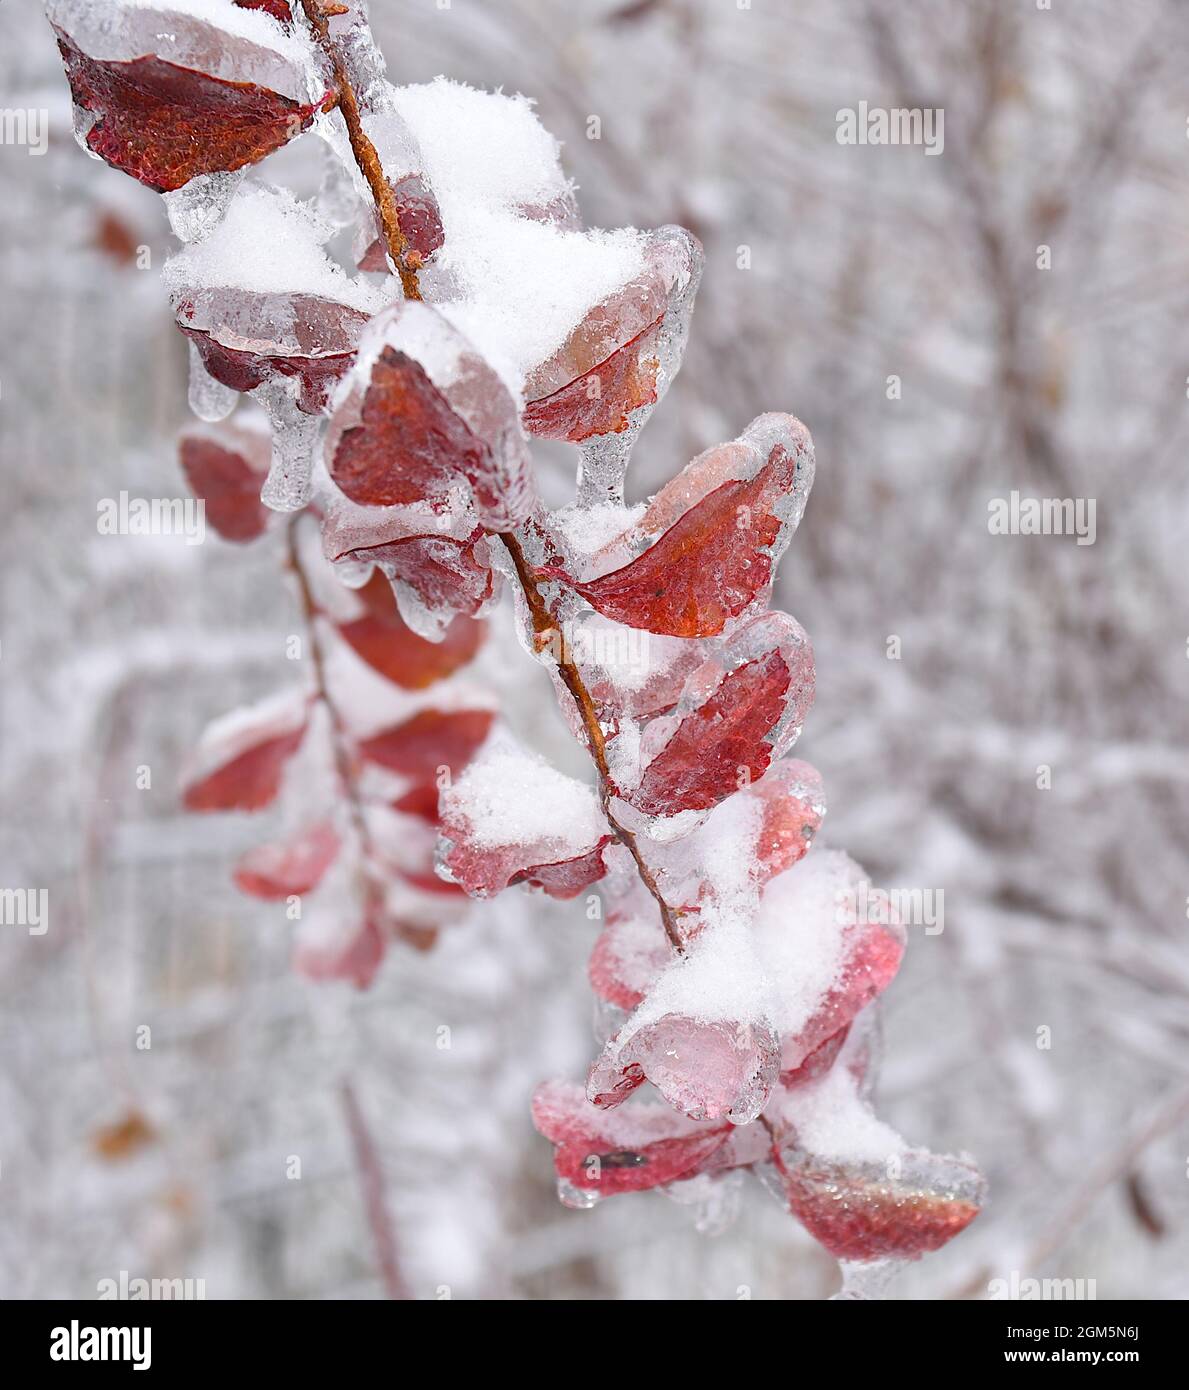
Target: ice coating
(422, 415)
(717, 558)
(269, 243)
(209, 399)
(197, 208)
(194, 34)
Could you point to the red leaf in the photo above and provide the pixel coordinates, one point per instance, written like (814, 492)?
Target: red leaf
(631, 1150)
(630, 953)
(709, 1070)
(608, 366)
(279, 9)
(738, 713)
(443, 561)
(712, 563)
(357, 959)
(325, 331)
(422, 801)
(566, 878)
(290, 867)
(410, 433)
(240, 761)
(430, 740)
(164, 124)
(226, 468)
(420, 221)
(870, 1211)
(384, 640)
(794, 804)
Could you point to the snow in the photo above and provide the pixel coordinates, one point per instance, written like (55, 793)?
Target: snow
(798, 933)
(482, 147)
(510, 796)
(832, 1121)
(270, 242)
(523, 286)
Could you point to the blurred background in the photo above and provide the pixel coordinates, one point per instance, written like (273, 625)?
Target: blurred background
(831, 270)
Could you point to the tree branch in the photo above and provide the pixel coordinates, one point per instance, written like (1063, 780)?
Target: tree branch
(318, 13)
(546, 629)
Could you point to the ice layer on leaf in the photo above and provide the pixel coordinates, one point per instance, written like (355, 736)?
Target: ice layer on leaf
(621, 355)
(702, 1034)
(627, 1150)
(263, 302)
(226, 467)
(858, 1189)
(423, 416)
(719, 555)
(183, 89)
(738, 712)
(437, 562)
(241, 758)
(510, 815)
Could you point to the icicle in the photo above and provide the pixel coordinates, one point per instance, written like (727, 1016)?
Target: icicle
(425, 621)
(866, 1279)
(576, 1198)
(602, 466)
(296, 438)
(210, 400)
(197, 208)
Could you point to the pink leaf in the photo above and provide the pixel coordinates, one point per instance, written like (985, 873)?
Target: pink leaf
(289, 867)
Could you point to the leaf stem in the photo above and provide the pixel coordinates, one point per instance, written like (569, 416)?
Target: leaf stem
(545, 626)
(362, 148)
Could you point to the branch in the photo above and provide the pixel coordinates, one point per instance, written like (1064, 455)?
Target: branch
(546, 628)
(319, 14)
(344, 758)
(371, 1180)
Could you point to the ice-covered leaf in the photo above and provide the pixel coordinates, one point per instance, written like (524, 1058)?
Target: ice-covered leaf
(630, 1150)
(240, 759)
(622, 354)
(713, 562)
(383, 639)
(513, 816)
(566, 878)
(172, 91)
(738, 713)
(431, 740)
(708, 1069)
(439, 565)
(226, 467)
(830, 944)
(629, 954)
(424, 416)
(289, 867)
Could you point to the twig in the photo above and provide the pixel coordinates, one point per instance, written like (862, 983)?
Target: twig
(362, 148)
(543, 623)
(371, 1181)
(343, 756)
(546, 628)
